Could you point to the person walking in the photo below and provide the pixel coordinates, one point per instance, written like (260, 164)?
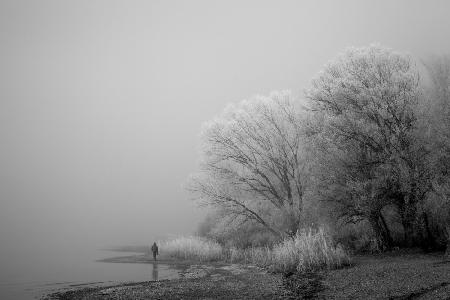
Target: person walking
(154, 250)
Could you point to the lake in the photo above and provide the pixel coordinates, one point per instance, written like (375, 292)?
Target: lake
(33, 278)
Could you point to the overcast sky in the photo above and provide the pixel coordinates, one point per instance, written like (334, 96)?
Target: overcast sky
(101, 102)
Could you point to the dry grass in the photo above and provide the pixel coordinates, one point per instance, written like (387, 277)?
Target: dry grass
(307, 250)
(260, 256)
(193, 248)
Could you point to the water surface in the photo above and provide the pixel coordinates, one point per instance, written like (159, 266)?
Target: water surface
(33, 278)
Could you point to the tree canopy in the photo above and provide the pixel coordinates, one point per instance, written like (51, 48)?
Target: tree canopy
(252, 163)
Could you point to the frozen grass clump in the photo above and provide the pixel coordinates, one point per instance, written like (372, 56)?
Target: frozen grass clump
(193, 247)
(308, 250)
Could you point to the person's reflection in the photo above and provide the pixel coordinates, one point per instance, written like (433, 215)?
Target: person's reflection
(155, 271)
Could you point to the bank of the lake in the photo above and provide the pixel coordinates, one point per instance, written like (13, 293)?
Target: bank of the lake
(385, 276)
(204, 281)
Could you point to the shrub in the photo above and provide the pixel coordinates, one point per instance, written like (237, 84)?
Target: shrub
(357, 238)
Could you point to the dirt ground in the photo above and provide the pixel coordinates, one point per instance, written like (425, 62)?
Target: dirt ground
(387, 276)
(414, 276)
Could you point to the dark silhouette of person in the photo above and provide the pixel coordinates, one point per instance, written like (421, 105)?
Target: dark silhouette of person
(154, 250)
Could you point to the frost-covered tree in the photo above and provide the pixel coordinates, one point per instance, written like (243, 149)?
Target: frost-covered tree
(252, 165)
(438, 128)
(366, 102)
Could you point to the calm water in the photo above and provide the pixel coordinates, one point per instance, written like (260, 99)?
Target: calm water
(31, 279)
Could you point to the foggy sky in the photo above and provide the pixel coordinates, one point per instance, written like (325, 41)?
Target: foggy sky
(101, 102)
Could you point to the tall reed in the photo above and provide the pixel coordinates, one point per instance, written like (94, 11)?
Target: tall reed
(308, 250)
(192, 248)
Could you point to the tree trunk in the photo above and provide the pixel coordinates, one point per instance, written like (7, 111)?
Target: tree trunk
(428, 240)
(378, 231)
(387, 232)
(447, 251)
(408, 216)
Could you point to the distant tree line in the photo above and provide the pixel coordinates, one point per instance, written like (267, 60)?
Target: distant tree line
(368, 146)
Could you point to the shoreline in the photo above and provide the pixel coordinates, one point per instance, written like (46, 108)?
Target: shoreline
(382, 276)
(196, 280)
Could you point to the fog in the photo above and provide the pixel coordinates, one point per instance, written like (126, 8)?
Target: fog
(101, 101)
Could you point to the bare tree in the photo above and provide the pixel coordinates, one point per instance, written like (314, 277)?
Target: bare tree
(366, 99)
(252, 165)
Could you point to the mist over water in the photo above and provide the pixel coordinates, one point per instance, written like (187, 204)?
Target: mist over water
(61, 271)
(101, 105)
